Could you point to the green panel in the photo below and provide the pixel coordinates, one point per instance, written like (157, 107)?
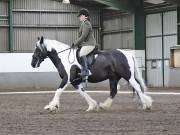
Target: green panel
(178, 15)
(10, 6)
(178, 34)
(139, 28)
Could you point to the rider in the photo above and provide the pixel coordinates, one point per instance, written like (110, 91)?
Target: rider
(85, 41)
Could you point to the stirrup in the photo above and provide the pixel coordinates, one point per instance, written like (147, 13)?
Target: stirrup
(85, 82)
(84, 78)
(88, 74)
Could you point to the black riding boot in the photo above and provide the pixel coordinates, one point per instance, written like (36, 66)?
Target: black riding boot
(84, 71)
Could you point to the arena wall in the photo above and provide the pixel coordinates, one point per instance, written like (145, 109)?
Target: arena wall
(16, 72)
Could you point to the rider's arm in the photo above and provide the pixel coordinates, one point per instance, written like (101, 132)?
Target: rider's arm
(85, 32)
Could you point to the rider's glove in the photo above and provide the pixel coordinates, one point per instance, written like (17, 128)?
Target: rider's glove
(73, 45)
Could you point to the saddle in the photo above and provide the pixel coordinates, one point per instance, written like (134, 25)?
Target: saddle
(90, 57)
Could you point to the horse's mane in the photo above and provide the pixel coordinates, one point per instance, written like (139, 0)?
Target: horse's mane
(54, 44)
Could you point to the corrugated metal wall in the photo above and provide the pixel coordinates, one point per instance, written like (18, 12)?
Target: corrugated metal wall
(52, 19)
(3, 7)
(170, 39)
(118, 30)
(3, 26)
(154, 50)
(161, 34)
(24, 38)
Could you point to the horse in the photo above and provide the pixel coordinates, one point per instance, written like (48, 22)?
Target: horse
(110, 64)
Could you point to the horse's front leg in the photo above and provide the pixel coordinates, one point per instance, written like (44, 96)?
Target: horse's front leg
(91, 102)
(54, 105)
(113, 91)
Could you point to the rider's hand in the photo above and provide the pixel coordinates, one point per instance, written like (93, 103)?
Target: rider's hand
(73, 45)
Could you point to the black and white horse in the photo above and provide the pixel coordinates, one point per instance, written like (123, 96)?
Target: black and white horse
(113, 65)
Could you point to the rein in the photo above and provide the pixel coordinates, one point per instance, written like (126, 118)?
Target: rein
(70, 48)
(65, 50)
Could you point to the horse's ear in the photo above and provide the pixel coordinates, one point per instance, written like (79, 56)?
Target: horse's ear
(42, 40)
(38, 38)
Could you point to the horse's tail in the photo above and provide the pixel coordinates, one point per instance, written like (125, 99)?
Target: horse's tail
(138, 76)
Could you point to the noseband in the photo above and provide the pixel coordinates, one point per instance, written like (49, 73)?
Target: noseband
(40, 58)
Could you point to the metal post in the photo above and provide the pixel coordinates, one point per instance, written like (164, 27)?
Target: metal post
(162, 17)
(178, 24)
(139, 27)
(101, 30)
(140, 30)
(10, 6)
(145, 50)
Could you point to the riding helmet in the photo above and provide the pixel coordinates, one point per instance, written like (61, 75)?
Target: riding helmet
(83, 11)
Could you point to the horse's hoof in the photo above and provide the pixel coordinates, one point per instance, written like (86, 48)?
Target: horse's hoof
(103, 107)
(94, 107)
(47, 108)
(148, 108)
(89, 110)
(145, 107)
(51, 108)
(97, 107)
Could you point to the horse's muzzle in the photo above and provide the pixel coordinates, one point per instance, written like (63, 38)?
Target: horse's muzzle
(35, 63)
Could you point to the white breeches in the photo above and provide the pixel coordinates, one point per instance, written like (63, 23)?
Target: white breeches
(85, 50)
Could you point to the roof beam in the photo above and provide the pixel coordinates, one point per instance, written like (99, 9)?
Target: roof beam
(177, 2)
(124, 5)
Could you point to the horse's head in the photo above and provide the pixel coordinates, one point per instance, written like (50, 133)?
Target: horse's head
(40, 53)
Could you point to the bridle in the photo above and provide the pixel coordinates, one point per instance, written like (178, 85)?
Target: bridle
(44, 53)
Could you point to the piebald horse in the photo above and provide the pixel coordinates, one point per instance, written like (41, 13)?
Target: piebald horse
(112, 64)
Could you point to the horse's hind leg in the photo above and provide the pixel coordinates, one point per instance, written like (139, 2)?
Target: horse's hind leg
(91, 102)
(113, 91)
(145, 100)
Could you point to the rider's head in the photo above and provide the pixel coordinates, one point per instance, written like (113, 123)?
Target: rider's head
(83, 14)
